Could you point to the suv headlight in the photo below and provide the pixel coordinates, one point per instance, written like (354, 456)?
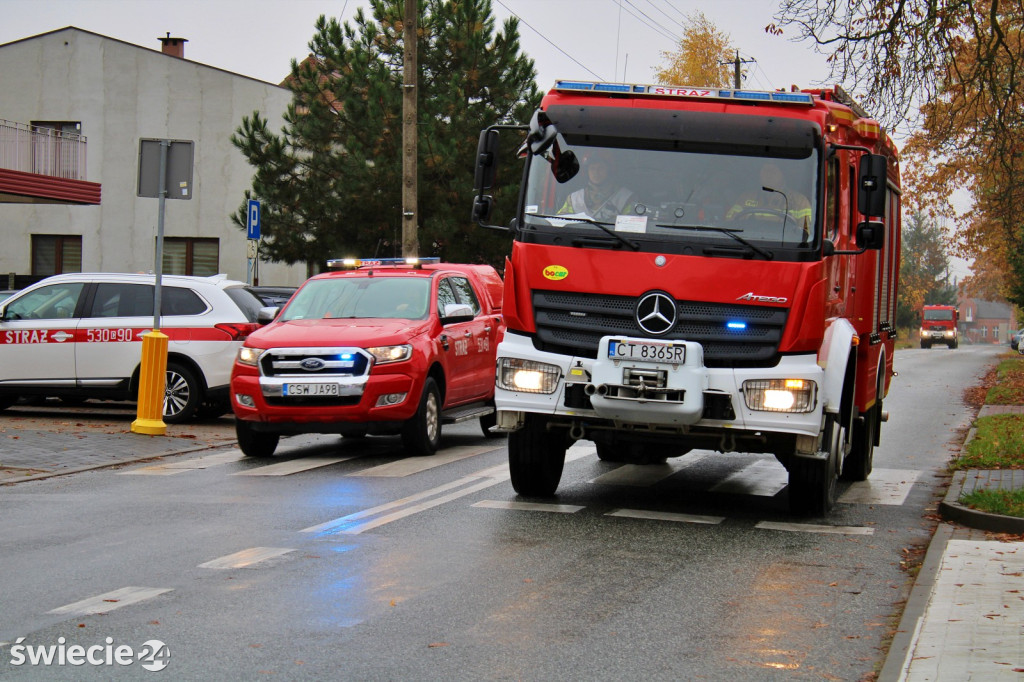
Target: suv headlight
(385, 354)
(527, 376)
(779, 395)
(249, 356)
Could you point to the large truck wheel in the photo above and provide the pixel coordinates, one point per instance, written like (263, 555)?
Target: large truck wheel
(536, 457)
(421, 435)
(858, 464)
(813, 483)
(925, 345)
(253, 443)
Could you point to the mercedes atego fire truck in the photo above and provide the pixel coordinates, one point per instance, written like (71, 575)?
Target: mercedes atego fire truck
(726, 282)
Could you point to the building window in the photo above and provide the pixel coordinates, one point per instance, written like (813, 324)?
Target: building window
(54, 254)
(984, 331)
(191, 256)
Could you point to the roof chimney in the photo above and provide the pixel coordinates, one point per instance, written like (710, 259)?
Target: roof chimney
(173, 46)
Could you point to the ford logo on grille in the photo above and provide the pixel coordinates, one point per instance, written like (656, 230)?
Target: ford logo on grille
(656, 313)
(312, 364)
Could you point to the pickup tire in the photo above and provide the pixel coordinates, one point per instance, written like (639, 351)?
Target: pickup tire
(536, 457)
(421, 435)
(182, 394)
(253, 443)
(813, 483)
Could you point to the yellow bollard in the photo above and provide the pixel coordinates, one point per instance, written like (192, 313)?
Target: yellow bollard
(152, 382)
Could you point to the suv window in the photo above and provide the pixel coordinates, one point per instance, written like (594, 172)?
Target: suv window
(248, 302)
(53, 302)
(114, 299)
(180, 301)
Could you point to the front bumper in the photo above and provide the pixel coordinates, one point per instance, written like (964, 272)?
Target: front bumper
(688, 390)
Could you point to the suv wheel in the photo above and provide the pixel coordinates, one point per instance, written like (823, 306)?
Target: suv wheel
(421, 435)
(182, 394)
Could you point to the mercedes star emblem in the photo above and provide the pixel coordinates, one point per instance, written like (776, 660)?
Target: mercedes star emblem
(656, 313)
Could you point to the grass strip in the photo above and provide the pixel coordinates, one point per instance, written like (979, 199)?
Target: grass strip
(1004, 502)
(998, 443)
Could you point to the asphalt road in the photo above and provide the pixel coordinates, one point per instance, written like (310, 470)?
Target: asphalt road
(342, 559)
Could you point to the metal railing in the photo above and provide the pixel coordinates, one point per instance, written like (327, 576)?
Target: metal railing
(44, 151)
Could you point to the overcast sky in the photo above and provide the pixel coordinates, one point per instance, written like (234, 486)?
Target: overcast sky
(594, 39)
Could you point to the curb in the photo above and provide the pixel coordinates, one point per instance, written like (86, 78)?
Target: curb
(131, 460)
(951, 510)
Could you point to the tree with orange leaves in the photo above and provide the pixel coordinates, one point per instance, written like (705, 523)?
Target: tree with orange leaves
(702, 58)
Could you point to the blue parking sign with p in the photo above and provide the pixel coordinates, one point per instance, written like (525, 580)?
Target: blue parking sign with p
(253, 224)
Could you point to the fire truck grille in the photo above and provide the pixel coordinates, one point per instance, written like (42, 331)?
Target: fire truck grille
(573, 324)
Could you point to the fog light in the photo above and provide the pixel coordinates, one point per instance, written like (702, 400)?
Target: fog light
(779, 395)
(390, 399)
(245, 400)
(527, 376)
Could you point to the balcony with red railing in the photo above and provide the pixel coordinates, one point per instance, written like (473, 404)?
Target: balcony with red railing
(42, 165)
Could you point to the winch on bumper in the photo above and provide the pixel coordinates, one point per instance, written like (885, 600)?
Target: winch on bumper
(669, 391)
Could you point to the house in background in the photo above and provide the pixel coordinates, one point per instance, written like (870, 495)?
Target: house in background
(986, 321)
(114, 93)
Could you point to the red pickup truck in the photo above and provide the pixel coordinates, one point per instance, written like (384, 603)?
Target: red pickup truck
(388, 347)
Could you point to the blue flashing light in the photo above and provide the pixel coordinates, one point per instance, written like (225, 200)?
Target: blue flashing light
(737, 326)
(613, 87)
(574, 85)
(798, 97)
(747, 94)
(346, 356)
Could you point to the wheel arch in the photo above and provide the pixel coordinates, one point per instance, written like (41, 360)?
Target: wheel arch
(179, 358)
(838, 359)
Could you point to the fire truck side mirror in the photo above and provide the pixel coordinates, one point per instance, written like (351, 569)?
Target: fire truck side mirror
(483, 207)
(871, 185)
(486, 161)
(870, 235)
(542, 133)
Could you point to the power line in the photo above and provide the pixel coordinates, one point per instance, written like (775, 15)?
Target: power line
(653, 25)
(554, 45)
(665, 14)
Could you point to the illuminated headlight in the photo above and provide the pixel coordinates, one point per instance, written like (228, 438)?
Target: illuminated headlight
(385, 354)
(779, 395)
(925, 333)
(949, 333)
(249, 356)
(527, 376)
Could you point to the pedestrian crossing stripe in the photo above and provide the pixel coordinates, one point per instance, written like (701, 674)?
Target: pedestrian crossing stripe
(105, 603)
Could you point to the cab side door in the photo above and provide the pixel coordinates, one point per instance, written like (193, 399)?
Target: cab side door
(483, 340)
(456, 340)
(110, 334)
(38, 335)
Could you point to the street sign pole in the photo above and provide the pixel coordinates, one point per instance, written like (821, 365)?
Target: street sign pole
(252, 233)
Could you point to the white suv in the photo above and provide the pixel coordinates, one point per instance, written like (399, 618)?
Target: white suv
(79, 336)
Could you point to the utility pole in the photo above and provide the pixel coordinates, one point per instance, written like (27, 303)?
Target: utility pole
(737, 76)
(410, 240)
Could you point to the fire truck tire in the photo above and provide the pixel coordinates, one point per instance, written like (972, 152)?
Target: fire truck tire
(813, 483)
(536, 457)
(925, 345)
(953, 345)
(253, 443)
(182, 394)
(858, 464)
(421, 435)
(7, 400)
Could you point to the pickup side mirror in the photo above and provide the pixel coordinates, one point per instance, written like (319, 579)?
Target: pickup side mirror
(456, 312)
(872, 174)
(266, 315)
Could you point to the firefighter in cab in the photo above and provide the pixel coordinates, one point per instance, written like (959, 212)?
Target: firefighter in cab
(603, 197)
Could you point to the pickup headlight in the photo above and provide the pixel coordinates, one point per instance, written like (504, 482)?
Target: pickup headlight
(527, 376)
(385, 354)
(249, 356)
(779, 395)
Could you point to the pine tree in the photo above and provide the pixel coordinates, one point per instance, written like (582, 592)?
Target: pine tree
(330, 182)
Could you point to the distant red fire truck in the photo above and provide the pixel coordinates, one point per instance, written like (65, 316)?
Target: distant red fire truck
(698, 268)
(939, 325)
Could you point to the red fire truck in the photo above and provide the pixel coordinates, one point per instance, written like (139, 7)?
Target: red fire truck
(938, 325)
(727, 281)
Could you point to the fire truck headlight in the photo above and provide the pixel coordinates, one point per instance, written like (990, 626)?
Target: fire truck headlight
(949, 333)
(527, 376)
(385, 354)
(779, 395)
(249, 356)
(924, 334)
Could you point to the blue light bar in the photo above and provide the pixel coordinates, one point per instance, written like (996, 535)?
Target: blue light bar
(362, 262)
(687, 92)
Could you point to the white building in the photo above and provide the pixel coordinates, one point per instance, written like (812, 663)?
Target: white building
(113, 94)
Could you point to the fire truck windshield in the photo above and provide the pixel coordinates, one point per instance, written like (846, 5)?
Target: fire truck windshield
(668, 200)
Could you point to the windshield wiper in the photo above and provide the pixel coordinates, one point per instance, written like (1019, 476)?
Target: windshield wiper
(589, 221)
(768, 255)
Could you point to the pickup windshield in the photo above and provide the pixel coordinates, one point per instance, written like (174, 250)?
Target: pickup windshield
(404, 298)
(692, 199)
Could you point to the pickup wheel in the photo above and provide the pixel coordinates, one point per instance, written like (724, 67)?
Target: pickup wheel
(421, 435)
(813, 483)
(254, 443)
(182, 394)
(536, 457)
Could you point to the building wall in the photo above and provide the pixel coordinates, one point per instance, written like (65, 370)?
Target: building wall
(122, 92)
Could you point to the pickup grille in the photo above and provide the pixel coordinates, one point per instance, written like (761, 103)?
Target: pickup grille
(311, 363)
(573, 324)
